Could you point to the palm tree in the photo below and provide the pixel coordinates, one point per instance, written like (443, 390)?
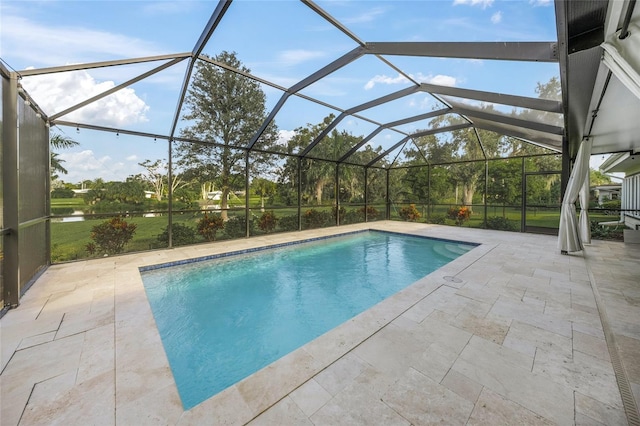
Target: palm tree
(59, 142)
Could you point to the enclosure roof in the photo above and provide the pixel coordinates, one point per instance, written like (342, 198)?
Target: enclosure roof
(389, 68)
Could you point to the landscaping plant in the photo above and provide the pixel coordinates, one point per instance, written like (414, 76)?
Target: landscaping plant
(208, 226)
(111, 236)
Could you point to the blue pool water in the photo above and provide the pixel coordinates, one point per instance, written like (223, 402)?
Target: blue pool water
(222, 320)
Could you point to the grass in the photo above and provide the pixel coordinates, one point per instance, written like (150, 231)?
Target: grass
(69, 239)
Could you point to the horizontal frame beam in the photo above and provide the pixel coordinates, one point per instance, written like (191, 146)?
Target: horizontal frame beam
(502, 51)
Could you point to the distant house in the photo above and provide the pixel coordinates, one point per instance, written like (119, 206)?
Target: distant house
(604, 193)
(629, 164)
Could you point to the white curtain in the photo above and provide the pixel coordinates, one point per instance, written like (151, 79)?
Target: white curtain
(569, 234)
(583, 221)
(622, 57)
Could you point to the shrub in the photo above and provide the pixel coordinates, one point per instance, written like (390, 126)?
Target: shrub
(62, 193)
(181, 235)
(410, 213)
(317, 219)
(501, 223)
(371, 213)
(267, 222)
(208, 226)
(459, 214)
(599, 232)
(438, 219)
(111, 236)
(352, 216)
(236, 227)
(288, 223)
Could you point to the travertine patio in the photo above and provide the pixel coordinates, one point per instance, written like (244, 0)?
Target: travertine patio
(509, 333)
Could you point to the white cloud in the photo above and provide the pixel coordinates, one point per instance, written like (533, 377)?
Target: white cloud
(540, 2)
(132, 158)
(284, 136)
(295, 57)
(482, 3)
(57, 92)
(85, 164)
(439, 79)
(368, 16)
(496, 17)
(50, 45)
(385, 80)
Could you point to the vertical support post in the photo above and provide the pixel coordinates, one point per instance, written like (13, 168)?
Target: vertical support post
(170, 192)
(523, 204)
(336, 188)
(299, 193)
(428, 192)
(366, 194)
(486, 185)
(566, 166)
(388, 199)
(11, 188)
(247, 214)
(47, 206)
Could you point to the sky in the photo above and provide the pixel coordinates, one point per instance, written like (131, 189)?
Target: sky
(279, 41)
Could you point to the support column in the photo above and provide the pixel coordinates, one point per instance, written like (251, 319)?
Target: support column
(247, 214)
(10, 180)
(299, 194)
(336, 187)
(170, 193)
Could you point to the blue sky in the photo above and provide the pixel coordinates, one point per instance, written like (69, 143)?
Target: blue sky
(281, 41)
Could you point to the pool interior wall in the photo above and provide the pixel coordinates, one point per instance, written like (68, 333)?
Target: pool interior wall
(223, 317)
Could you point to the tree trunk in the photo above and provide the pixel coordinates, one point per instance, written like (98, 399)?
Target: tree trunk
(224, 203)
(262, 203)
(468, 190)
(319, 186)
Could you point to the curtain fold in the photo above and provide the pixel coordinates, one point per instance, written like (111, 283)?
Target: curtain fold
(583, 220)
(622, 57)
(569, 232)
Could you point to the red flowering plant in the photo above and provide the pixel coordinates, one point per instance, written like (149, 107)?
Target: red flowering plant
(459, 214)
(410, 213)
(208, 226)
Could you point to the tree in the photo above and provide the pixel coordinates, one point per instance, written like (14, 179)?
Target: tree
(59, 142)
(155, 175)
(224, 110)
(263, 188)
(596, 177)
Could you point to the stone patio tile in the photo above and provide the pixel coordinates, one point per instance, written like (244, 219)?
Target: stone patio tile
(421, 400)
(582, 373)
(265, 387)
(599, 411)
(339, 375)
(526, 313)
(385, 355)
(582, 420)
(590, 345)
(162, 406)
(493, 409)
(37, 339)
(462, 385)
(629, 351)
(90, 402)
(502, 371)
(285, 412)
(490, 329)
(540, 338)
(226, 408)
(310, 397)
(356, 405)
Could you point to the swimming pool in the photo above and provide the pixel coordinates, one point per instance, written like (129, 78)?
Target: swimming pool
(223, 319)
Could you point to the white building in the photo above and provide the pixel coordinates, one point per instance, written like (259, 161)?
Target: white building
(629, 164)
